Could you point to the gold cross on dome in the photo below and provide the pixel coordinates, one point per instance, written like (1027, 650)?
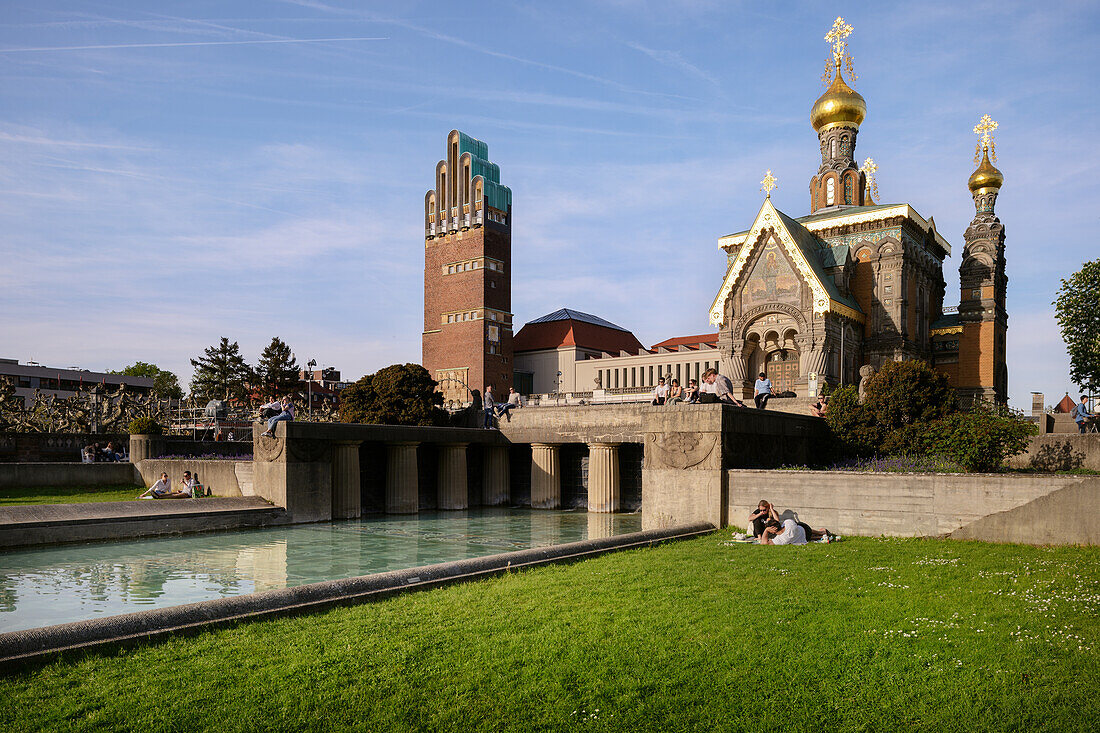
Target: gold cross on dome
(869, 168)
(769, 183)
(836, 36)
(984, 130)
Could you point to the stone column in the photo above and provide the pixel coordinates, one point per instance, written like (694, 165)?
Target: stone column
(346, 492)
(145, 446)
(545, 475)
(402, 479)
(603, 477)
(453, 493)
(496, 475)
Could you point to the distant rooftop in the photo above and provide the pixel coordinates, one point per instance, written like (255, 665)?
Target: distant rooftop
(568, 314)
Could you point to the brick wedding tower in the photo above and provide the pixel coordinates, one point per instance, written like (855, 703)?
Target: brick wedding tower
(467, 340)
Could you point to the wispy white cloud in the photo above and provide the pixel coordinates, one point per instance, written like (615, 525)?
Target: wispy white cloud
(674, 60)
(177, 44)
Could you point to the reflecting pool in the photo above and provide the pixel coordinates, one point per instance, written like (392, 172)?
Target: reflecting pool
(62, 583)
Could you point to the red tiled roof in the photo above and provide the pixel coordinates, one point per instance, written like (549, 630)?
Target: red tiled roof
(569, 332)
(706, 338)
(1066, 405)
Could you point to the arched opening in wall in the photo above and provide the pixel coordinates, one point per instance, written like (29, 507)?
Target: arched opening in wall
(752, 354)
(830, 191)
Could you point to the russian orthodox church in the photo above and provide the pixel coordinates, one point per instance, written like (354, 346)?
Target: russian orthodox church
(811, 299)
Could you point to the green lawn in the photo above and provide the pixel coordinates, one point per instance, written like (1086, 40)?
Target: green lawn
(865, 634)
(68, 494)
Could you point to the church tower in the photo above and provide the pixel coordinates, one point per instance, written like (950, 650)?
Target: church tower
(467, 340)
(983, 370)
(836, 117)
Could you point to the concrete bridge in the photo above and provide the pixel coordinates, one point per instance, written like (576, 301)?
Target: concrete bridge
(672, 460)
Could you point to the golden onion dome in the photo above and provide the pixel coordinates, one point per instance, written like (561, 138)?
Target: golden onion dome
(986, 176)
(840, 104)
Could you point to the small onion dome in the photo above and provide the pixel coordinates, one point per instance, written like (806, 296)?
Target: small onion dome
(840, 104)
(986, 177)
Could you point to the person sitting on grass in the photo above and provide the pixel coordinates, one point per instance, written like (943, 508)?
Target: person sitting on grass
(791, 532)
(162, 489)
(758, 520)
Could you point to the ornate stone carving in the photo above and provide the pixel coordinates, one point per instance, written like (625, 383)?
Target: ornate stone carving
(681, 450)
(865, 373)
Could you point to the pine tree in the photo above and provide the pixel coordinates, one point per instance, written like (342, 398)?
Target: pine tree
(222, 374)
(278, 373)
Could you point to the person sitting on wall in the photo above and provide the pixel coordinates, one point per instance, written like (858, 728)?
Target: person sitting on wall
(675, 393)
(286, 415)
(660, 392)
(758, 520)
(1082, 416)
(819, 408)
(111, 453)
(691, 394)
(512, 404)
(162, 489)
(489, 406)
(762, 391)
(87, 454)
(717, 388)
(270, 409)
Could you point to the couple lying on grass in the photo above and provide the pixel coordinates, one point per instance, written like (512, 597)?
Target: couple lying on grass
(769, 529)
(191, 488)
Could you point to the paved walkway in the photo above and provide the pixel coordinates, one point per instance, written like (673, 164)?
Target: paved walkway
(107, 520)
(35, 514)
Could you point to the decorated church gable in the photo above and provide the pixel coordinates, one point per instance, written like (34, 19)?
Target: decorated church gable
(772, 279)
(780, 277)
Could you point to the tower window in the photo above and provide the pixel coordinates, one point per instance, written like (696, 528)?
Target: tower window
(830, 190)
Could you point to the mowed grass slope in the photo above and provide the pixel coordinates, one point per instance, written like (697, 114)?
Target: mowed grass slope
(68, 494)
(861, 635)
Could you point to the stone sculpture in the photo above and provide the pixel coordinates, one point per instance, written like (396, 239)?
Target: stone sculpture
(865, 373)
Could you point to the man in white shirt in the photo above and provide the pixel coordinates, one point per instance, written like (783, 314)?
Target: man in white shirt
(789, 533)
(719, 386)
(660, 393)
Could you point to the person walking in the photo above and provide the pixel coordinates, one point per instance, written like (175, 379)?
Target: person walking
(1082, 416)
(489, 407)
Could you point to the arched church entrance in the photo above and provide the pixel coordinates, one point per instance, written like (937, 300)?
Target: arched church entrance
(782, 370)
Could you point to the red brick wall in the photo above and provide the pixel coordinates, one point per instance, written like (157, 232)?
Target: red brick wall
(465, 344)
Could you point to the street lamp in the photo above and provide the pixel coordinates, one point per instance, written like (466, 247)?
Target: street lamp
(309, 386)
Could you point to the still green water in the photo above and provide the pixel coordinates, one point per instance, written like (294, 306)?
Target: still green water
(62, 583)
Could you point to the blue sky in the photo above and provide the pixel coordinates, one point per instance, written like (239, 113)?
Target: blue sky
(209, 169)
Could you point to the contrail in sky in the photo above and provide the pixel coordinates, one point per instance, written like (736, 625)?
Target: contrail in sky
(190, 43)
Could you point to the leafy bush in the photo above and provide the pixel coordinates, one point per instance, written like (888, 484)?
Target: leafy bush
(980, 438)
(402, 394)
(855, 431)
(911, 413)
(904, 393)
(145, 426)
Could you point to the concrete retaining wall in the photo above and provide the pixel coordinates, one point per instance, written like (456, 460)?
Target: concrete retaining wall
(1031, 509)
(222, 477)
(1060, 453)
(28, 475)
(51, 447)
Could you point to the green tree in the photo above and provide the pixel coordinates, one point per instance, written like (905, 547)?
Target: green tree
(908, 392)
(1077, 308)
(221, 373)
(854, 427)
(277, 373)
(402, 394)
(165, 383)
(980, 438)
